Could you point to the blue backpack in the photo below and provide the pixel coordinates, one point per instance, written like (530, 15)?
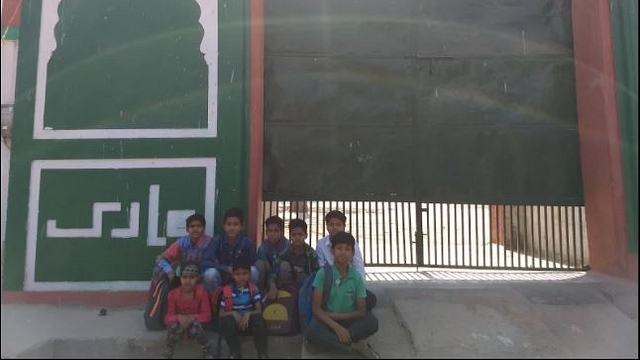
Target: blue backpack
(305, 295)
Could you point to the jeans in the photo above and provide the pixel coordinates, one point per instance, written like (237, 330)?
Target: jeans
(229, 328)
(359, 329)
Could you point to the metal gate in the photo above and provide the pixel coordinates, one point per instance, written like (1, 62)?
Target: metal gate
(446, 131)
(452, 235)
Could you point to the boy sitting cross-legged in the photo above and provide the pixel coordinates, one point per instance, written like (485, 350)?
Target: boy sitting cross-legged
(342, 322)
(245, 314)
(188, 310)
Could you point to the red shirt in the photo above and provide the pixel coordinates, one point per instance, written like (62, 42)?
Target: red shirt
(198, 306)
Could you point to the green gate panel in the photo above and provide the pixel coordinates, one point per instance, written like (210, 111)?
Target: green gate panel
(498, 131)
(493, 28)
(366, 163)
(450, 101)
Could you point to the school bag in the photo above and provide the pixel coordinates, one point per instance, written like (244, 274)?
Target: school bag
(305, 296)
(280, 314)
(156, 306)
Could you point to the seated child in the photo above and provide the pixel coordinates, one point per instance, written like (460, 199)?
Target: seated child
(342, 322)
(218, 259)
(336, 221)
(188, 310)
(273, 272)
(245, 312)
(301, 257)
(188, 248)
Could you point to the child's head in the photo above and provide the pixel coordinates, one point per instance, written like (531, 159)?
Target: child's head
(297, 231)
(232, 222)
(335, 221)
(342, 245)
(195, 226)
(241, 271)
(189, 275)
(275, 228)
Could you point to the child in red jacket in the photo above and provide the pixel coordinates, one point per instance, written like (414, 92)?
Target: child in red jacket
(188, 310)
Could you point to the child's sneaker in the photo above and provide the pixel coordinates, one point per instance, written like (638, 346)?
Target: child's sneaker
(364, 348)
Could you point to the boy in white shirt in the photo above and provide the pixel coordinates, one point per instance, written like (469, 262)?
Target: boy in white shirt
(335, 221)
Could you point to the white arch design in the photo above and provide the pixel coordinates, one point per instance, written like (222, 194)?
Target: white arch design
(47, 45)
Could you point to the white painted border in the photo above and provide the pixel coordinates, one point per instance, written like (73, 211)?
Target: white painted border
(47, 45)
(34, 202)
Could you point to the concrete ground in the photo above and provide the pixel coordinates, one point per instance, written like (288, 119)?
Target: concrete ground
(423, 314)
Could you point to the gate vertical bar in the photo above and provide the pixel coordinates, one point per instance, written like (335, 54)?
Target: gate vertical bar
(419, 234)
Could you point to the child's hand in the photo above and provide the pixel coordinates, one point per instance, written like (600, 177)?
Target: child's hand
(273, 291)
(343, 334)
(244, 322)
(185, 321)
(237, 317)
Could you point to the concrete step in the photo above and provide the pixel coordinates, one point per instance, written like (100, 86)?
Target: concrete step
(391, 341)
(280, 347)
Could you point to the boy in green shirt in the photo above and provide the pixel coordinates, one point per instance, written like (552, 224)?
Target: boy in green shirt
(342, 322)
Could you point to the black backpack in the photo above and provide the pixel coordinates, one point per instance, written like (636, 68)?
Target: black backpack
(156, 306)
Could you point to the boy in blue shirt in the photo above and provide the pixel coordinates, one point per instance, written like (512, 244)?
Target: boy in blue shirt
(244, 313)
(226, 249)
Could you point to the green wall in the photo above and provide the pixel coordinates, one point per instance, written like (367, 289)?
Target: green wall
(121, 64)
(625, 29)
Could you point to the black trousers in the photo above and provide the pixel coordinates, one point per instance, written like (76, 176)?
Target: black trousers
(229, 328)
(359, 329)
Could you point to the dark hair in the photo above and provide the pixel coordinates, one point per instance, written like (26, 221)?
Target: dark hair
(343, 238)
(298, 223)
(335, 214)
(196, 217)
(241, 263)
(275, 220)
(234, 212)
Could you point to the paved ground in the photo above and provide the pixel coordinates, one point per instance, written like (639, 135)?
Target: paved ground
(432, 314)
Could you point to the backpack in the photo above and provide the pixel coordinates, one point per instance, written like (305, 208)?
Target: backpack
(305, 296)
(280, 314)
(156, 306)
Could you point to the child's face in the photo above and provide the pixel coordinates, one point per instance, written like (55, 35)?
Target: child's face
(334, 226)
(188, 281)
(195, 229)
(232, 226)
(297, 236)
(241, 277)
(342, 253)
(274, 233)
